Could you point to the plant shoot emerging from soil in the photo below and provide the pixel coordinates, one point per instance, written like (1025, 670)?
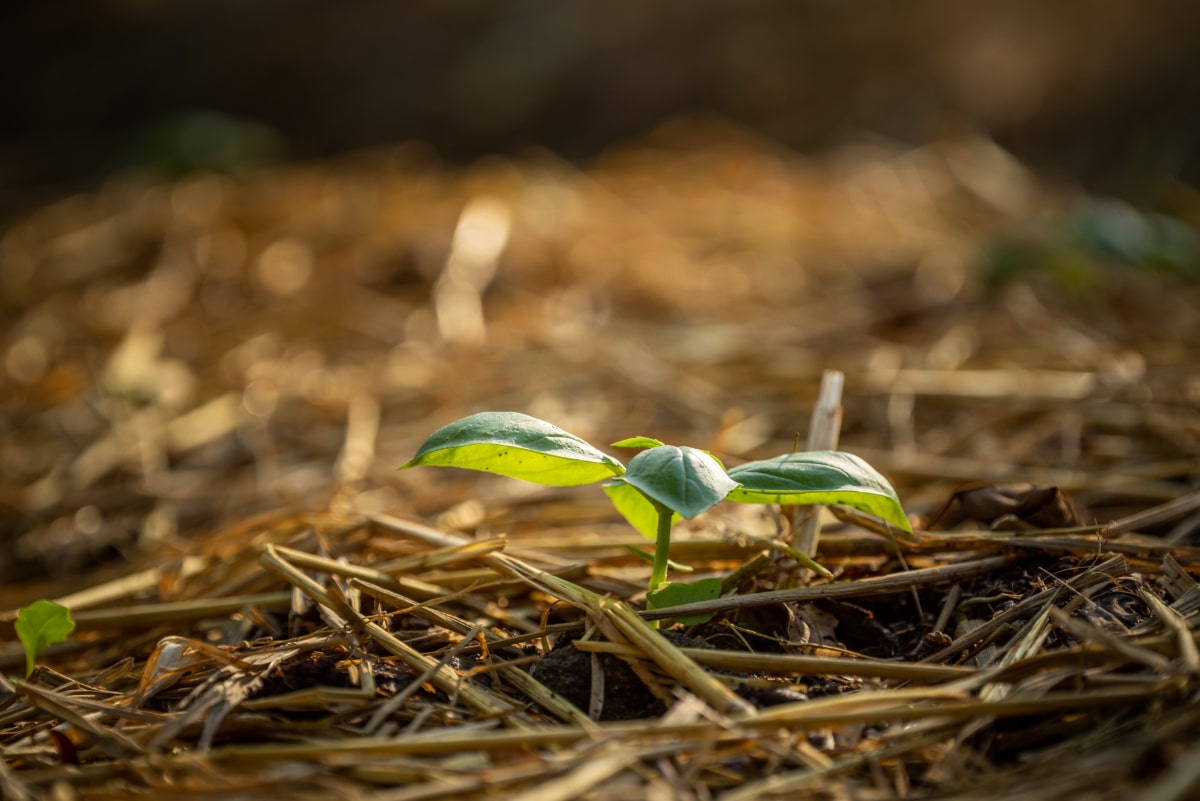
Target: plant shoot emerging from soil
(40, 625)
(659, 485)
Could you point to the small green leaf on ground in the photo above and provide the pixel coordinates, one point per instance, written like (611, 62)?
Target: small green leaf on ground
(518, 446)
(39, 625)
(677, 594)
(825, 477)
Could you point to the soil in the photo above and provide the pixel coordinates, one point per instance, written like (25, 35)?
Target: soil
(568, 672)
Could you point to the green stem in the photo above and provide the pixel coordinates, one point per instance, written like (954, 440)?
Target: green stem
(662, 547)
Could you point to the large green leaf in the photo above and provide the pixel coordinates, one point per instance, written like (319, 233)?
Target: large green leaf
(518, 446)
(828, 477)
(39, 625)
(685, 480)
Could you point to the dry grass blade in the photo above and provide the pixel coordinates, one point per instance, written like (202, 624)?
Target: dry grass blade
(1168, 512)
(176, 611)
(333, 567)
(123, 587)
(1189, 654)
(673, 661)
(781, 664)
(953, 704)
(864, 588)
(441, 557)
(386, 710)
(786, 784)
(111, 741)
(1117, 645)
(441, 675)
(591, 769)
(515, 676)
(1177, 582)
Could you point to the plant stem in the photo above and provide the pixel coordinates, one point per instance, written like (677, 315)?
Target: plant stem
(662, 547)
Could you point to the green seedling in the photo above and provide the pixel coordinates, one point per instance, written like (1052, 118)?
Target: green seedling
(661, 484)
(40, 625)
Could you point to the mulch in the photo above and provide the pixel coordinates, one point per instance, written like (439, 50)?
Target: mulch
(209, 381)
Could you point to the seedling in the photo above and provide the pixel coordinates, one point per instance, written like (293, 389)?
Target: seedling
(40, 625)
(659, 485)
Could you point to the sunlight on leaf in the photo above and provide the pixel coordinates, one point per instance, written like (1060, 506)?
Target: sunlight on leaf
(685, 480)
(638, 442)
(39, 625)
(635, 507)
(518, 446)
(825, 477)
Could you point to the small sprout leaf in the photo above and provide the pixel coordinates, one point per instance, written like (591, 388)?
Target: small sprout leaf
(518, 446)
(40, 625)
(686, 480)
(675, 593)
(826, 477)
(638, 442)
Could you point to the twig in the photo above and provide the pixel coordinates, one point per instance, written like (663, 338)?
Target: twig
(862, 588)
(823, 433)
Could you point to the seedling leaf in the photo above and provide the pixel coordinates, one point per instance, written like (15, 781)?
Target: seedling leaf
(518, 446)
(638, 442)
(661, 484)
(828, 477)
(40, 625)
(676, 593)
(685, 480)
(635, 507)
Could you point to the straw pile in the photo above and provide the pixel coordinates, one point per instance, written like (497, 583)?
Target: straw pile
(210, 380)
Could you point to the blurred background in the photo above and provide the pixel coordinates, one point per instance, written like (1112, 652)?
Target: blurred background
(252, 253)
(1103, 90)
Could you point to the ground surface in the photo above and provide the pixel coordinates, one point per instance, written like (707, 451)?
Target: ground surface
(208, 383)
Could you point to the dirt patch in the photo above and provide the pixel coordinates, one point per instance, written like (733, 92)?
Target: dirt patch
(621, 694)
